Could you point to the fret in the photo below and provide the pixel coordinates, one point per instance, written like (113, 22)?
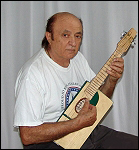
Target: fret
(103, 72)
(100, 76)
(101, 79)
(93, 87)
(118, 52)
(97, 81)
(87, 91)
(95, 84)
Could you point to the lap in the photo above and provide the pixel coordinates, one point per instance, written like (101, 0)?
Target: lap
(101, 138)
(106, 138)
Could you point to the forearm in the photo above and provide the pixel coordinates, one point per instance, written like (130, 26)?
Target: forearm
(115, 72)
(47, 132)
(108, 87)
(52, 131)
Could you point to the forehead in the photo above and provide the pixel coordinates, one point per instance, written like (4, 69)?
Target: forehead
(67, 23)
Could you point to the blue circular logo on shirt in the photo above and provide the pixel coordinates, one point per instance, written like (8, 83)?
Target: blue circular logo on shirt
(69, 96)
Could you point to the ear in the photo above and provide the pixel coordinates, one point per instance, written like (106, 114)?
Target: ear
(48, 37)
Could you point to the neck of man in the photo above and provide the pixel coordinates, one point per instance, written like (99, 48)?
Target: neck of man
(61, 61)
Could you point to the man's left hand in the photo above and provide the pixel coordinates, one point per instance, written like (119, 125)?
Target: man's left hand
(116, 69)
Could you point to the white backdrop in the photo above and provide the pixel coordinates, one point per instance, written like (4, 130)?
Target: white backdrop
(23, 26)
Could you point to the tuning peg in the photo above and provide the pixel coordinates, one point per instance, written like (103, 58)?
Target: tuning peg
(133, 43)
(123, 34)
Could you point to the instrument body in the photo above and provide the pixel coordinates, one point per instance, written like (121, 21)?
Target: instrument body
(76, 139)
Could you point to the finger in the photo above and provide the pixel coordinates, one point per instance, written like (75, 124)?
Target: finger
(116, 69)
(86, 104)
(114, 74)
(119, 62)
(117, 66)
(82, 104)
(92, 107)
(120, 59)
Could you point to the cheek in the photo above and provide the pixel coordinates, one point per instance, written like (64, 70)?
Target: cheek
(78, 44)
(63, 43)
(56, 43)
(59, 45)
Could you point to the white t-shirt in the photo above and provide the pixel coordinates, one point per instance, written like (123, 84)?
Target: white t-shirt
(44, 89)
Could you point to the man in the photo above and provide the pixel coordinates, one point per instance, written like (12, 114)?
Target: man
(47, 82)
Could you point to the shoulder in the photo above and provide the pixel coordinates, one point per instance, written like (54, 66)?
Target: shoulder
(31, 67)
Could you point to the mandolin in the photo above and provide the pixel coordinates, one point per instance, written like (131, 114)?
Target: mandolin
(90, 90)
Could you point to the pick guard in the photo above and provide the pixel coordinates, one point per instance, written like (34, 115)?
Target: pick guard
(95, 99)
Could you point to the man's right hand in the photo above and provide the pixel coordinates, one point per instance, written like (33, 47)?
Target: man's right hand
(87, 115)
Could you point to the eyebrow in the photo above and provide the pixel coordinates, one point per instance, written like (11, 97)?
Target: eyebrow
(70, 32)
(79, 33)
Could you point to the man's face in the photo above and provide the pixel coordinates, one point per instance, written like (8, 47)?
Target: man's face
(67, 34)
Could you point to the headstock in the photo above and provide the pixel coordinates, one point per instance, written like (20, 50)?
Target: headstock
(127, 40)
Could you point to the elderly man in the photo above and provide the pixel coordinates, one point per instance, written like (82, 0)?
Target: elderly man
(46, 78)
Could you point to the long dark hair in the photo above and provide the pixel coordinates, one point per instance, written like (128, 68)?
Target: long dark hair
(49, 28)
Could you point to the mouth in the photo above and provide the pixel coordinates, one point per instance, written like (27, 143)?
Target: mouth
(71, 50)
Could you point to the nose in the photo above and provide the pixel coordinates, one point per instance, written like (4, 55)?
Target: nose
(72, 42)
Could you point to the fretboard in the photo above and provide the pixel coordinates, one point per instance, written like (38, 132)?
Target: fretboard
(99, 79)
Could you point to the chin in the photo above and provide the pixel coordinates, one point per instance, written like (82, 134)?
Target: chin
(72, 55)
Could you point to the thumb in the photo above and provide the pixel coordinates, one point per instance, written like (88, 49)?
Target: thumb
(86, 104)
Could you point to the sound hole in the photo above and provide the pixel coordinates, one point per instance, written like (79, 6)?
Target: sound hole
(79, 105)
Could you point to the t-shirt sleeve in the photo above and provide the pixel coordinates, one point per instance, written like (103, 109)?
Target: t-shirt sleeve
(30, 107)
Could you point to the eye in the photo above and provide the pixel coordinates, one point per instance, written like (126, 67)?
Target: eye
(66, 35)
(78, 36)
